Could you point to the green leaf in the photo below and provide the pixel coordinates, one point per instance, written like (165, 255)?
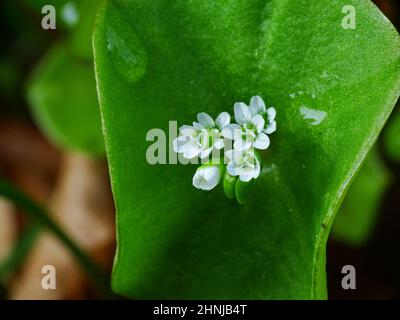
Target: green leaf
(392, 138)
(81, 39)
(62, 91)
(63, 99)
(333, 90)
(356, 218)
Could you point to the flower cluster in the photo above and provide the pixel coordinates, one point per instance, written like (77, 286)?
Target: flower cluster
(248, 134)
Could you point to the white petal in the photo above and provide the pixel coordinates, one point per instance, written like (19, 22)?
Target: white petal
(205, 120)
(231, 169)
(253, 111)
(259, 122)
(207, 177)
(242, 170)
(191, 151)
(230, 154)
(257, 171)
(212, 172)
(179, 143)
(241, 145)
(271, 128)
(205, 153)
(257, 104)
(234, 155)
(175, 145)
(262, 141)
(245, 177)
(271, 114)
(232, 131)
(187, 131)
(219, 144)
(242, 113)
(197, 126)
(198, 180)
(222, 120)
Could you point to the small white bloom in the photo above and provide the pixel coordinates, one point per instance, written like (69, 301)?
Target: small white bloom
(271, 123)
(249, 130)
(207, 177)
(257, 106)
(243, 163)
(202, 137)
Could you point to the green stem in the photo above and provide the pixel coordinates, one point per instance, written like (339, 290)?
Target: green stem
(20, 251)
(39, 214)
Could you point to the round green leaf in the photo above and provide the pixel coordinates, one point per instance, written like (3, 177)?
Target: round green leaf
(63, 99)
(333, 89)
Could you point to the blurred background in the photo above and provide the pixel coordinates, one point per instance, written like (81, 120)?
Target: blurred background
(51, 149)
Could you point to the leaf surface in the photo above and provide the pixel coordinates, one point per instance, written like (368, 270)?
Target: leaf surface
(333, 90)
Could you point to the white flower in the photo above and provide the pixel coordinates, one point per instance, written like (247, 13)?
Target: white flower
(249, 130)
(202, 137)
(207, 177)
(243, 163)
(257, 106)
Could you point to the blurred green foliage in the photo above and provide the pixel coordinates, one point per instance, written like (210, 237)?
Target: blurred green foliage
(392, 137)
(358, 213)
(62, 90)
(63, 97)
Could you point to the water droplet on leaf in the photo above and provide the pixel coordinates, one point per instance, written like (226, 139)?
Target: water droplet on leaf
(317, 116)
(125, 50)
